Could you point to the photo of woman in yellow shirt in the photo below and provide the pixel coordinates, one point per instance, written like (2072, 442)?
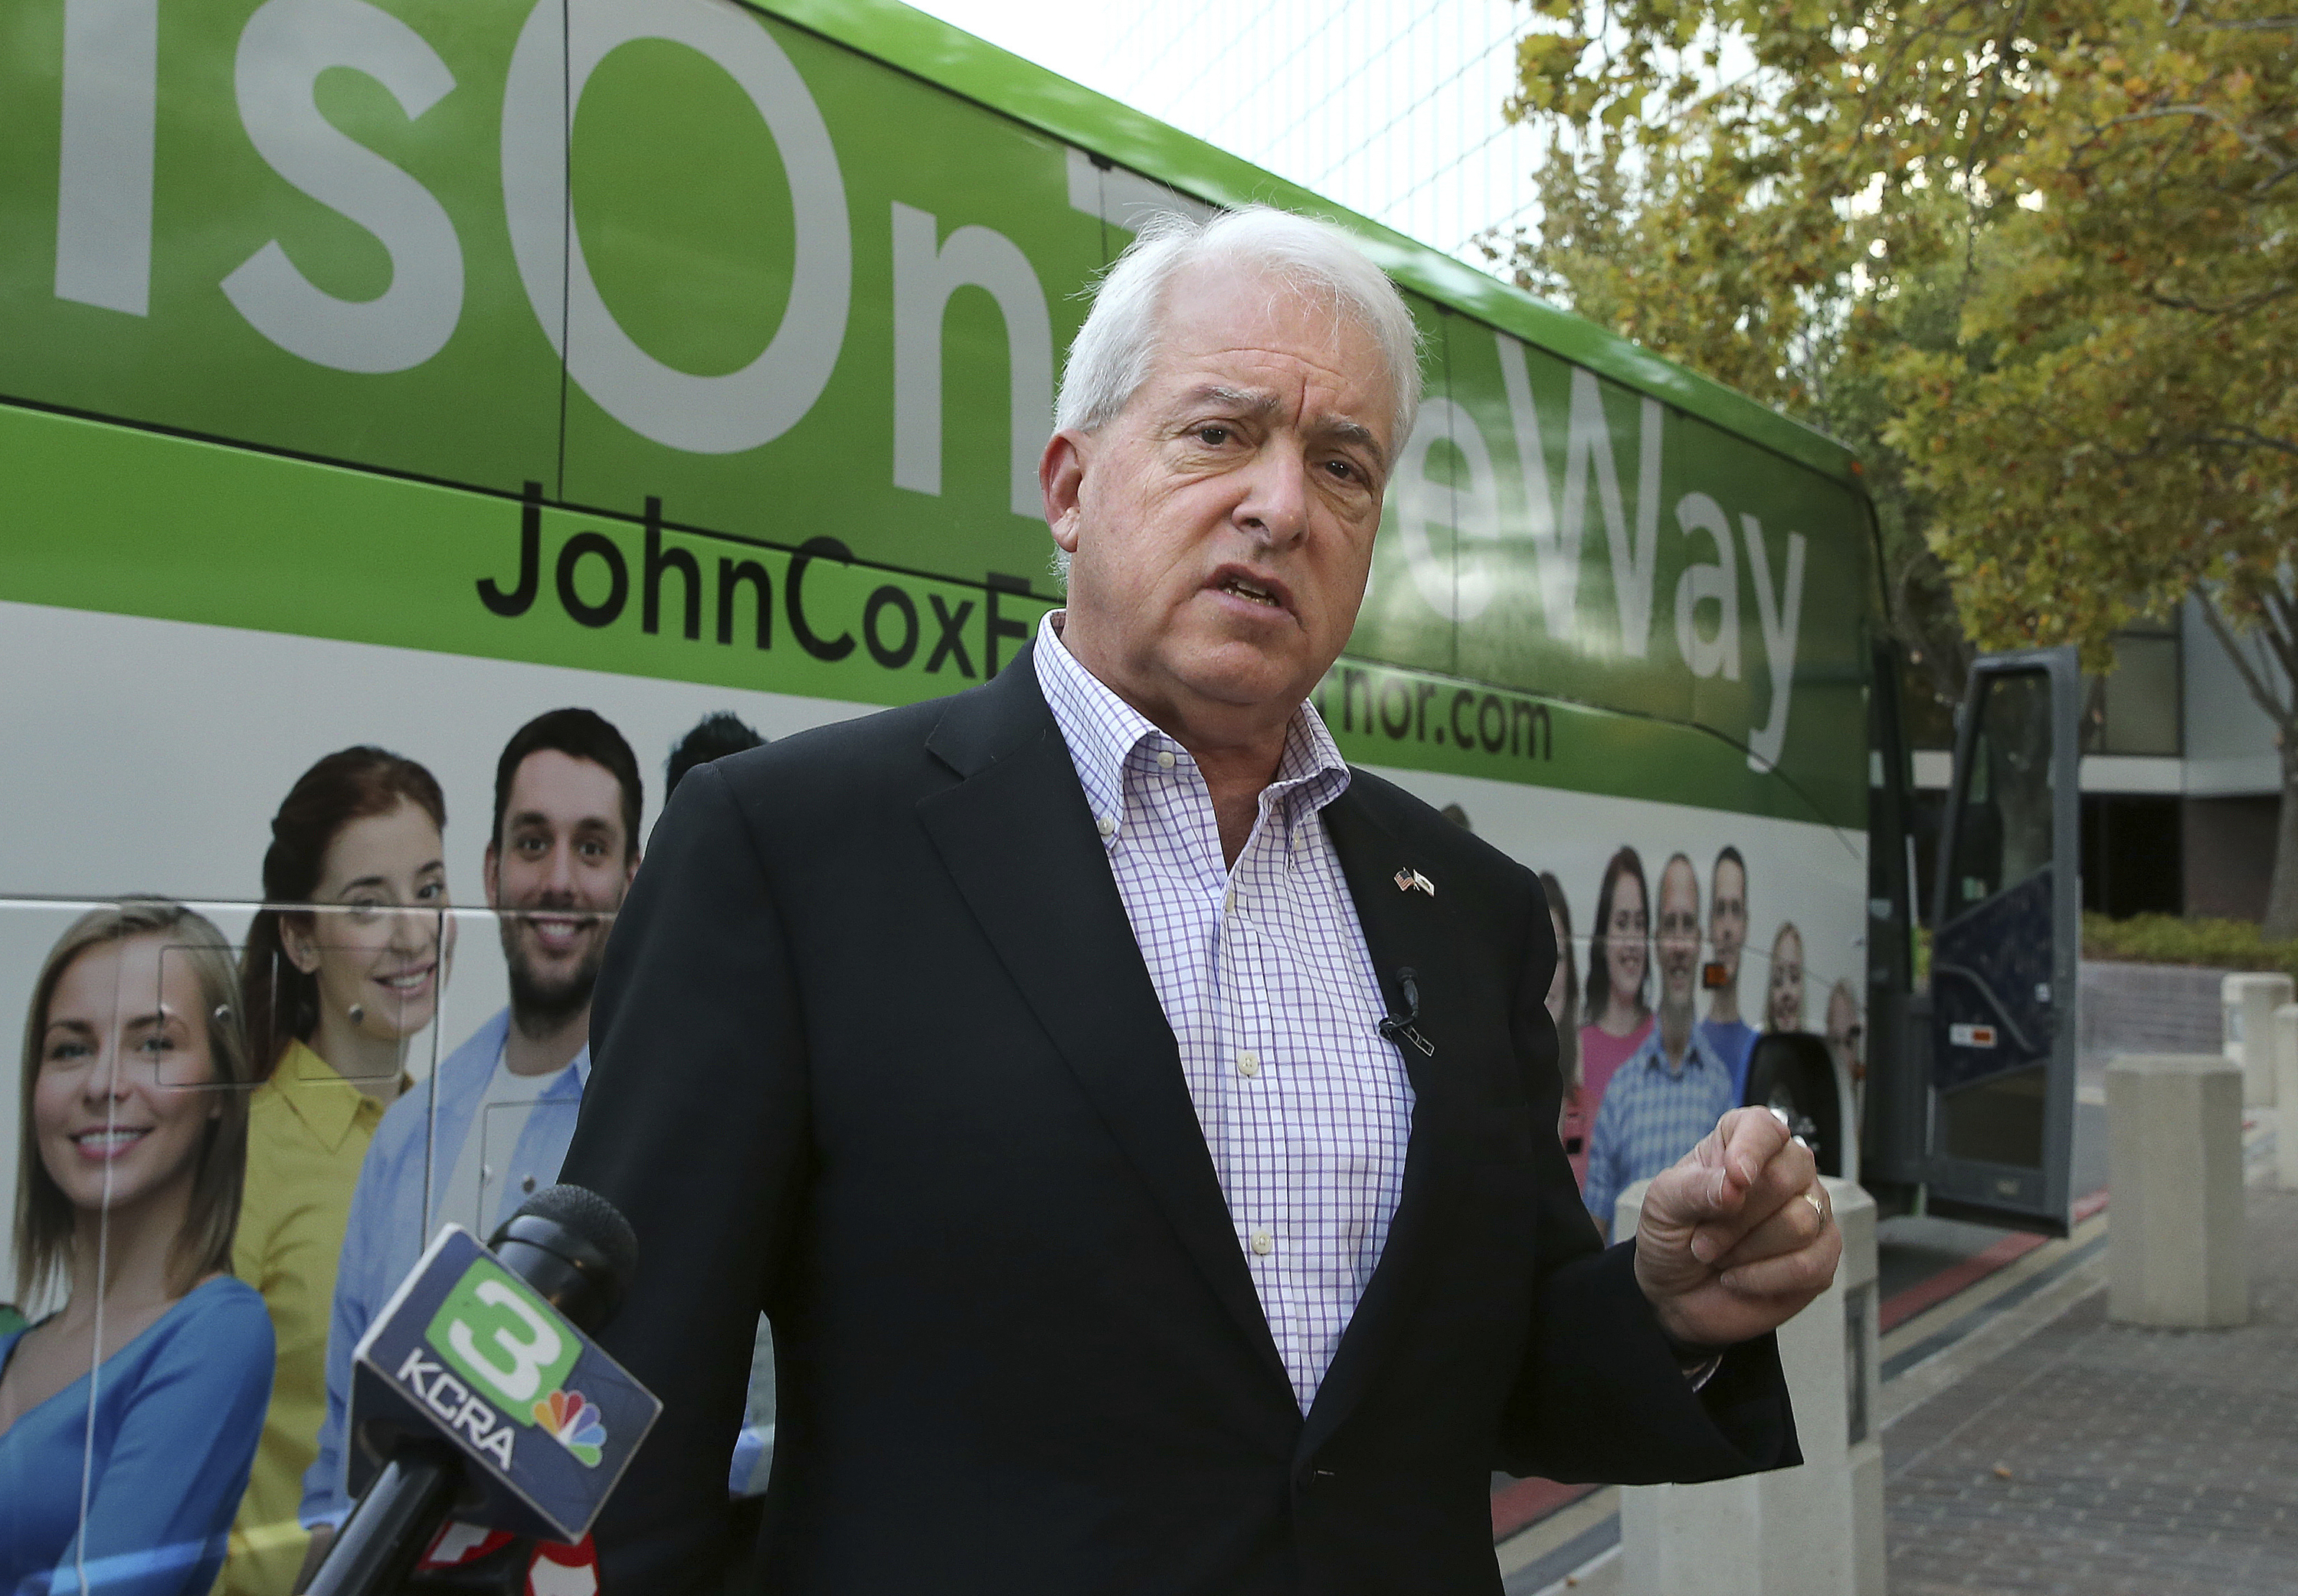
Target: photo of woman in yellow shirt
(334, 993)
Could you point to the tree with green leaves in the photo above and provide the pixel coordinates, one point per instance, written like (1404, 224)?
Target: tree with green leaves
(2036, 259)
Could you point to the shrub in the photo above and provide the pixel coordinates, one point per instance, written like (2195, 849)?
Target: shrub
(2172, 939)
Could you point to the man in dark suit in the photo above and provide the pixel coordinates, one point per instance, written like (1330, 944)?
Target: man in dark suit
(1139, 1126)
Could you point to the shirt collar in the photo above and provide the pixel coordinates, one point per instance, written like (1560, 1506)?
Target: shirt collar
(1699, 1052)
(319, 1095)
(566, 1082)
(1106, 735)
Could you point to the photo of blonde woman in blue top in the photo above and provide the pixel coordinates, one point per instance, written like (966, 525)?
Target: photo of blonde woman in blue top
(129, 1415)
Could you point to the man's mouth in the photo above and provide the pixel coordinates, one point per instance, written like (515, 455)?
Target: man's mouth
(1268, 593)
(557, 934)
(103, 1143)
(1246, 590)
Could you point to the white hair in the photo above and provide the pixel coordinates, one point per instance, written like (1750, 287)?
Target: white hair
(1113, 351)
(1111, 356)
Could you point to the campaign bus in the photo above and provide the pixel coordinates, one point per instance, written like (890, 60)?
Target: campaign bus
(386, 374)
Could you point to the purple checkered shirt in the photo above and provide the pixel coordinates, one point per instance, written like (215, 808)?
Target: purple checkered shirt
(1262, 971)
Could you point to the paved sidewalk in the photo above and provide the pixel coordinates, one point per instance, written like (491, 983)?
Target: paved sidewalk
(2031, 1447)
(2103, 1460)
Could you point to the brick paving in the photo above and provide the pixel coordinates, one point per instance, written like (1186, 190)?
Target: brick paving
(2099, 1459)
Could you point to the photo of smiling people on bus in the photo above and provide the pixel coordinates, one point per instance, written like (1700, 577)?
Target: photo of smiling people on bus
(333, 999)
(1845, 1039)
(1672, 1089)
(491, 1125)
(1617, 1015)
(1731, 1036)
(1783, 1002)
(1576, 1113)
(129, 1413)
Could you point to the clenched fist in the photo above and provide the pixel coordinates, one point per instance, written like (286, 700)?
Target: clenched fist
(1738, 1236)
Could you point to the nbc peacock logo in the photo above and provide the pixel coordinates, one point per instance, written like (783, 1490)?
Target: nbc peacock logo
(574, 1422)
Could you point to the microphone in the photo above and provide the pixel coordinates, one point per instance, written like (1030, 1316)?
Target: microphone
(479, 1397)
(1407, 1029)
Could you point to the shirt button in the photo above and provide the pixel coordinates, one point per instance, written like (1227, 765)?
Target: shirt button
(1248, 1063)
(1263, 1243)
(1165, 761)
(1108, 824)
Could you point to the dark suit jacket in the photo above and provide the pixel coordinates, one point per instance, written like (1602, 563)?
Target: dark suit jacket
(874, 1050)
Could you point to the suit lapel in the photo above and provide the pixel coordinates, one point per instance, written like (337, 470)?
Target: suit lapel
(1404, 928)
(1018, 840)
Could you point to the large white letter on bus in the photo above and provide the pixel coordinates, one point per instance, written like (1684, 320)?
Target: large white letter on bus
(1702, 582)
(1634, 562)
(702, 415)
(1557, 555)
(285, 47)
(1781, 615)
(1460, 587)
(926, 272)
(104, 168)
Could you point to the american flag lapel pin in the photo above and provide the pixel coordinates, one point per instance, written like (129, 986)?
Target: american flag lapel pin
(1409, 880)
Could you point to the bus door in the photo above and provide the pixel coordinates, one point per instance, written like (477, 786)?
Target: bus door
(2007, 931)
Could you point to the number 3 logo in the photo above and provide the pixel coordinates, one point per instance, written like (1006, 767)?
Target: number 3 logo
(517, 1380)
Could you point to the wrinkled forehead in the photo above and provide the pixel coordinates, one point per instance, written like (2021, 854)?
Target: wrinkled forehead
(1213, 308)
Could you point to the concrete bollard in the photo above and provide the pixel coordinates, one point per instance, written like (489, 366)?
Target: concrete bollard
(2174, 1249)
(1815, 1530)
(2249, 1001)
(2286, 1096)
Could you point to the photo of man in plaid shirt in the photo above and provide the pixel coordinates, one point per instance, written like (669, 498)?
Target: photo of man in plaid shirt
(1675, 1086)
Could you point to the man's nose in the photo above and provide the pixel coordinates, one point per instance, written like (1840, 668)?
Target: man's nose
(1276, 503)
(559, 870)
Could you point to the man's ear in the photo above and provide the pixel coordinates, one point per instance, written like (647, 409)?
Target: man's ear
(1061, 474)
(493, 876)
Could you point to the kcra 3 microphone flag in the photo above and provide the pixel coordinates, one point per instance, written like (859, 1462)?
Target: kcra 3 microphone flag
(476, 1396)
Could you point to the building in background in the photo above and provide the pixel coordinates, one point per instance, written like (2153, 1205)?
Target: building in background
(1389, 107)
(2180, 780)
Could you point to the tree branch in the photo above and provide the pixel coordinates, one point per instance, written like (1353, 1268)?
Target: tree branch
(2229, 307)
(2282, 631)
(2277, 711)
(2258, 146)
(2237, 436)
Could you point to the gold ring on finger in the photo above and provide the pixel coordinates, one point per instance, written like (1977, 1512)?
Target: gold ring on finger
(1818, 1205)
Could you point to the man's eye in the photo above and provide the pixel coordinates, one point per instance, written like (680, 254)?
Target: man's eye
(1213, 436)
(1346, 470)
